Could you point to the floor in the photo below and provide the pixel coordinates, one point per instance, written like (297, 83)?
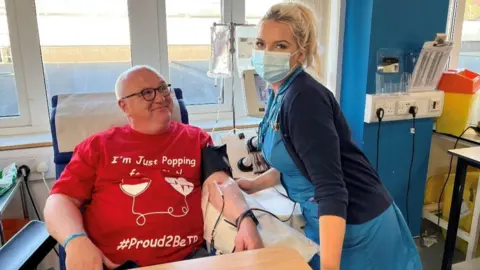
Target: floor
(432, 256)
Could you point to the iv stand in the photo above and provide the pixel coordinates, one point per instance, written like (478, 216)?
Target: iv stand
(232, 26)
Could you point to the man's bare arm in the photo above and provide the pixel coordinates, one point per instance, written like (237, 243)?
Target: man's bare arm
(62, 216)
(235, 205)
(216, 171)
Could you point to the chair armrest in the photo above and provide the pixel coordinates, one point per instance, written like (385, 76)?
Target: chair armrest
(27, 248)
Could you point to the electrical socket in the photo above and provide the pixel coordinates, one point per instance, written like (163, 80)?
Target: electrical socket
(404, 106)
(435, 105)
(42, 167)
(31, 157)
(33, 163)
(396, 106)
(388, 107)
(379, 105)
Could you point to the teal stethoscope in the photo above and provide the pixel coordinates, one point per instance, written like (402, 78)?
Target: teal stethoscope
(273, 108)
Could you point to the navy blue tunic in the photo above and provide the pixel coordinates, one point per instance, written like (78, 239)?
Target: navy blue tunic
(317, 137)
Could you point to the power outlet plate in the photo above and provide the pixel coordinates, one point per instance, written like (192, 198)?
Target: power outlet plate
(396, 107)
(403, 107)
(388, 106)
(31, 158)
(435, 105)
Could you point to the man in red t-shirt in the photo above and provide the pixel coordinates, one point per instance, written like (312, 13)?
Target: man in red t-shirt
(140, 187)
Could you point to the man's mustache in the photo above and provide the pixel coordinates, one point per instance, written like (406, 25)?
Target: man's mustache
(158, 105)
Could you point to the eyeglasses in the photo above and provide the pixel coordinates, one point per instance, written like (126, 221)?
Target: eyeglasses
(149, 94)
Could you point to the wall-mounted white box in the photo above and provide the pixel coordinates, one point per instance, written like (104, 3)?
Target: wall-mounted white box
(396, 106)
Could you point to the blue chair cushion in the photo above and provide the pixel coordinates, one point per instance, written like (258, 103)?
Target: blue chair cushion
(63, 158)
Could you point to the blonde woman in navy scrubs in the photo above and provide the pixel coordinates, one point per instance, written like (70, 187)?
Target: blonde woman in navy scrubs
(306, 140)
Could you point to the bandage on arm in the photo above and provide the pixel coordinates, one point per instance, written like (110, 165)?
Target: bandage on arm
(216, 171)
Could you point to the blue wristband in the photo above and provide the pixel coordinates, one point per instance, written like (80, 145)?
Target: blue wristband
(73, 236)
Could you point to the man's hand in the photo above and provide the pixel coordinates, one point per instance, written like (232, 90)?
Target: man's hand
(248, 237)
(82, 254)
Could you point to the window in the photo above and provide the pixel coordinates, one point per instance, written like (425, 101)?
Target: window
(329, 32)
(188, 35)
(13, 107)
(470, 44)
(8, 94)
(85, 44)
(464, 28)
(254, 9)
(50, 47)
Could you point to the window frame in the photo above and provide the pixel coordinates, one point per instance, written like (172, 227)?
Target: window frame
(209, 109)
(456, 17)
(25, 50)
(148, 46)
(144, 44)
(335, 15)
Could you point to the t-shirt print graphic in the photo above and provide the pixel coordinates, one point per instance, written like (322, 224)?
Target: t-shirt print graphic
(181, 185)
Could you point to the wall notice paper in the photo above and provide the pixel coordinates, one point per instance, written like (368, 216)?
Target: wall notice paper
(245, 37)
(261, 90)
(430, 66)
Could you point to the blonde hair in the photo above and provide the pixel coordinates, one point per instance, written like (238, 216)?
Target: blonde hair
(303, 23)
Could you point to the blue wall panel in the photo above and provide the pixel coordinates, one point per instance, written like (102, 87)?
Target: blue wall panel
(394, 163)
(405, 24)
(355, 60)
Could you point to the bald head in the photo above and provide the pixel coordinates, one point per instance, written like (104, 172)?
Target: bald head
(135, 79)
(144, 97)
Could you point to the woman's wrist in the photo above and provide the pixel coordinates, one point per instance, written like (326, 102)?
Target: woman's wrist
(267, 179)
(257, 183)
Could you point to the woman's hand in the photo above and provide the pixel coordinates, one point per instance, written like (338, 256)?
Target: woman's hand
(247, 185)
(82, 254)
(266, 180)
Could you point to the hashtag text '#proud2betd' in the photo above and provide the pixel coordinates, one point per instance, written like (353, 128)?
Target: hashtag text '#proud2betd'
(165, 241)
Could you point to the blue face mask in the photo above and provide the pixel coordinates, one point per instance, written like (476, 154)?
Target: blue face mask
(271, 66)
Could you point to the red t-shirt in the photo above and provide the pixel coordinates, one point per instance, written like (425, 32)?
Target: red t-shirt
(144, 192)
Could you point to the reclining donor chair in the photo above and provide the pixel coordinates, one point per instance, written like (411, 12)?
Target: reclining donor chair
(27, 248)
(74, 117)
